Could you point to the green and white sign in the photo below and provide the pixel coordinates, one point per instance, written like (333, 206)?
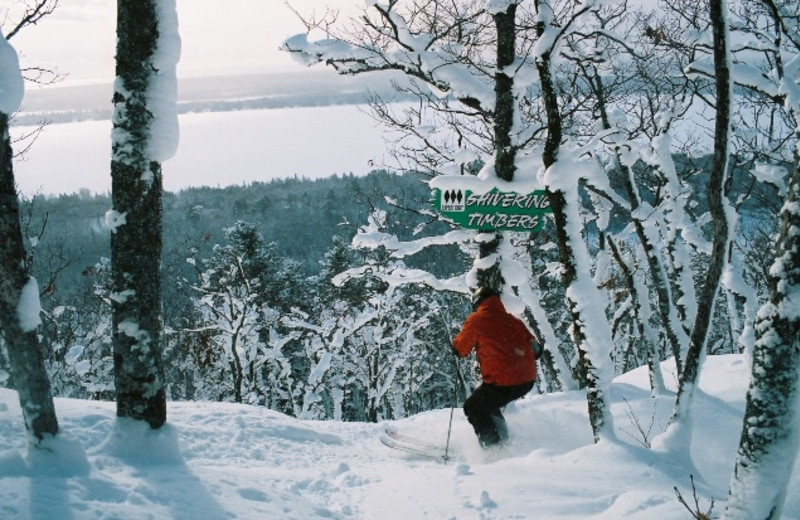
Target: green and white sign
(494, 210)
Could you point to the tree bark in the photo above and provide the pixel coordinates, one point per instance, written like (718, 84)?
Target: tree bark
(25, 355)
(136, 244)
(505, 151)
(770, 434)
(653, 361)
(717, 208)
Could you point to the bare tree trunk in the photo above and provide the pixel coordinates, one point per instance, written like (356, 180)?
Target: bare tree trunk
(653, 362)
(237, 370)
(666, 306)
(25, 355)
(717, 186)
(599, 416)
(505, 151)
(136, 244)
(769, 443)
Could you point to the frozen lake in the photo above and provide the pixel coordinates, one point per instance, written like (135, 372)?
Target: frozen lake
(234, 130)
(216, 149)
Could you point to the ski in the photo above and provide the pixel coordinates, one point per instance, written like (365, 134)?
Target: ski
(391, 438)
(410, 439)
(423, 451)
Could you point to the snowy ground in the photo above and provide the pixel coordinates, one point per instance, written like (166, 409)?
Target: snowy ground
(220, 461)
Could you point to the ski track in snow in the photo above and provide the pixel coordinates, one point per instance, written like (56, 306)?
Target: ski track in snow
(226, 461)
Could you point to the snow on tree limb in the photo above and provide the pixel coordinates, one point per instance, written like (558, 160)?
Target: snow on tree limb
(29, 308)
(162, 93)
(12, 85)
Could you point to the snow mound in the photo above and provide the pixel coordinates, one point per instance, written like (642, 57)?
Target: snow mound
(217, 461)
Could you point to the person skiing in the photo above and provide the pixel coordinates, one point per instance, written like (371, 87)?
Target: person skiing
(505, 349)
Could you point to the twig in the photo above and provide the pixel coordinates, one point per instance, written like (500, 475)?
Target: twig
(696, 512)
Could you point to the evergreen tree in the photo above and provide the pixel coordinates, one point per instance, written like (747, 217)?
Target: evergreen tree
(241, 293)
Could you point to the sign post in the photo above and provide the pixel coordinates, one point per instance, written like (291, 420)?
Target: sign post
(493, 210)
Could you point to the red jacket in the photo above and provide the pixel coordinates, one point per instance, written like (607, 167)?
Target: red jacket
(502, 343)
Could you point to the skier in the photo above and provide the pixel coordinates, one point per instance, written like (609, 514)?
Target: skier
(505, 349)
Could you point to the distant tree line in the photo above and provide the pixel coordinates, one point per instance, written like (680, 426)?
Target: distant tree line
(250, 310)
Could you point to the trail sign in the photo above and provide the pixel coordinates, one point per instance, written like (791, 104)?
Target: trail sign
(494, 210)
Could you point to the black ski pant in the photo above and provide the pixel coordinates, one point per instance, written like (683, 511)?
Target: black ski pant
(482, 409)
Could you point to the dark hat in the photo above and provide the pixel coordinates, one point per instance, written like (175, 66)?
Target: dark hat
(480, 294)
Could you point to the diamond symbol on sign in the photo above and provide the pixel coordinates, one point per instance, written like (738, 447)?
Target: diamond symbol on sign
(453, 200)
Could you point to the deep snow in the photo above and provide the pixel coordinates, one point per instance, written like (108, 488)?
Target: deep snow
(220, 461)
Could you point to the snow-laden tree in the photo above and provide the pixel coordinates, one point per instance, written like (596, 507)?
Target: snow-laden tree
(379, 355)
(601, 99)
(328, 384)
(769, 443)
(565, 167)
(459, 57)
(19, 292)
(81, 361)
(767, 63)
(144, 135)
(237, 301)
(374, 348)
(723, 219)
(486, 68)
(631, 90)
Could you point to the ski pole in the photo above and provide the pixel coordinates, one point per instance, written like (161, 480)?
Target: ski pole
(449, 429)
(459, 379)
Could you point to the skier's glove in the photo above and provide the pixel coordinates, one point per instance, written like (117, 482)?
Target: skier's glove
(537, 347)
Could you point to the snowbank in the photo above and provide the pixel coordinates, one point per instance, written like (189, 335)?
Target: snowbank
(216, 461)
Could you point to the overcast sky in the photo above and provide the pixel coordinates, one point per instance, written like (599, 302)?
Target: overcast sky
(218, 37)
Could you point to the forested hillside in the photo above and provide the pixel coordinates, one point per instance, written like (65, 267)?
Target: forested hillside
(299, 216)
(265, 254)
(657, 143)
(252, 314)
